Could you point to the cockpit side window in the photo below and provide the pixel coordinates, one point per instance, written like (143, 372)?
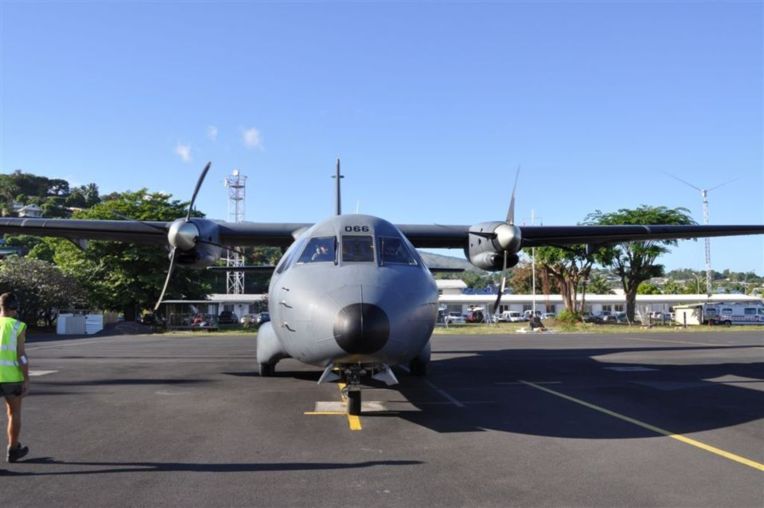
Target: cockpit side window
(357, 248)
(289, 256)
(394, 251)
(320, 249)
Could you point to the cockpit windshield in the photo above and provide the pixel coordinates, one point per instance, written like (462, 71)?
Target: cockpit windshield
(357, 248)
(394, 251)
(319, 249)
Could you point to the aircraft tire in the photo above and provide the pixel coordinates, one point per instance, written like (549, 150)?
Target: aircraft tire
(354, 402)
(267, 370)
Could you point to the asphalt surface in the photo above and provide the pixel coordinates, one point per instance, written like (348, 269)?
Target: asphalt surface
(670, 419)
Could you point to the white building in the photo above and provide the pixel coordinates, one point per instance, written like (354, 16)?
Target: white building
(595, 304)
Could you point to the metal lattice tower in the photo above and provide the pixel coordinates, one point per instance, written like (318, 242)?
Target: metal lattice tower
(706, 219)
(237, 191)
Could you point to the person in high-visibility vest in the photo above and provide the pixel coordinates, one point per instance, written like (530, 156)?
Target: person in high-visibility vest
(14, 371)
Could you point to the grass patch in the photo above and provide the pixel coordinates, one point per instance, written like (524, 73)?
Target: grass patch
(226, 331)
(559, 327)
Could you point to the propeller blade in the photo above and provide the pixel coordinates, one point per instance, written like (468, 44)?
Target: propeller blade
(196, 190)
(503, 285)
(511, 209)
(167, 279)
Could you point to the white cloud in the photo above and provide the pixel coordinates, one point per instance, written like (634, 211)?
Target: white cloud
(252, 138)
(183, 151)
(212, 132)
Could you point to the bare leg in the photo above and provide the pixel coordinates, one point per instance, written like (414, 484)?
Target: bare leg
(13, 404)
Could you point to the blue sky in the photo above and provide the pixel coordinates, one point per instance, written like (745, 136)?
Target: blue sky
(431, 106)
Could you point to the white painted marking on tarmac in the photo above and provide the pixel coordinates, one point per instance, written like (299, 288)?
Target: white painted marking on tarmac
(630, 369)
(333, 406)
(739, 382)
(444, 394)
(41, 372)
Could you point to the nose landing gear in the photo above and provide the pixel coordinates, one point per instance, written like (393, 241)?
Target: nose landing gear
(352, 391)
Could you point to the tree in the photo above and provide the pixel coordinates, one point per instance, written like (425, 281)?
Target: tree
(83, 196)
(54, 196)
(674, 287)
(569, 267)
(42, 288)
(520, 279)
(634, 262)
(475, 280)
(648, 288)
(599, 285)
(122, 276)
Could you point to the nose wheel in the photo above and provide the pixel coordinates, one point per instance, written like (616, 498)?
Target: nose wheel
(354, 402)
(352, 391)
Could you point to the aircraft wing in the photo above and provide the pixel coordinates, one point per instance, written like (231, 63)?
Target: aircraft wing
(231, 234)
(567, 235)
(82, 229)
(423, 236)
(445, 236)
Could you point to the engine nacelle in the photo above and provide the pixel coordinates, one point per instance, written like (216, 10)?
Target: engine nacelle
(196, 242)
(200, 257)
(487, 243)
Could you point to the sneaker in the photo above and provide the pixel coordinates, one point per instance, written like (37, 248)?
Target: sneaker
(17, 452)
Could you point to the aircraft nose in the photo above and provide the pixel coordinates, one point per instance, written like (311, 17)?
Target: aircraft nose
(361, 328)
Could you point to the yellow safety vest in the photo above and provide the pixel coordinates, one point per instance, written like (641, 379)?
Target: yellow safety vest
(10, 371)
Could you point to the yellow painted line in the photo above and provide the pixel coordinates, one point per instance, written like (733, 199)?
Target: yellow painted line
(657, 430)
(354, 422)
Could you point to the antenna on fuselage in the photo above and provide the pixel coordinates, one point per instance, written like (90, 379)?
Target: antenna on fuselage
(338, 176)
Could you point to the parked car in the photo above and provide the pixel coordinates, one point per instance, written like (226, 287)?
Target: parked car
(511, 316)
(263, 317)
(227, 318)
(591, 318)
(453, 317)
(617, 317)
(661, 316)
(548, 315)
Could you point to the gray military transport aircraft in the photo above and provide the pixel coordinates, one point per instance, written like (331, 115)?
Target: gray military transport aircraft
(351, 294)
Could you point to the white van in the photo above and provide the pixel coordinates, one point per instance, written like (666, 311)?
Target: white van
(510, 316)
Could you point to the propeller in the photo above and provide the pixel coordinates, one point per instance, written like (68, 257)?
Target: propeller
(184, 234)
(506, 242)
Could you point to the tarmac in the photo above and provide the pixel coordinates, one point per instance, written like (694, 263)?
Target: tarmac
(670, 419)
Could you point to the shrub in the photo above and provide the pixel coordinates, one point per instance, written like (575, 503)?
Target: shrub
(569, 317)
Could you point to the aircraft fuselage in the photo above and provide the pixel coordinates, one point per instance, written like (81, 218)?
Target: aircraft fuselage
(350, 290)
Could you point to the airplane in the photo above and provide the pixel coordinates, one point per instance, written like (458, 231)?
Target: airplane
(351, 295)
